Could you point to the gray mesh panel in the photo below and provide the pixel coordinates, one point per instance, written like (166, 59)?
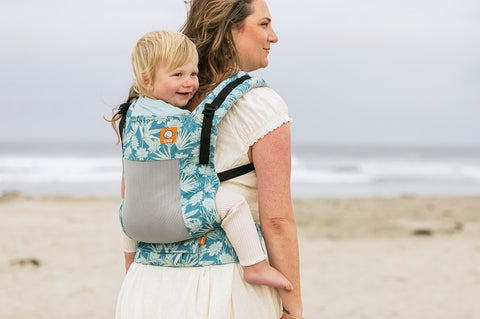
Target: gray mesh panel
(152, 209)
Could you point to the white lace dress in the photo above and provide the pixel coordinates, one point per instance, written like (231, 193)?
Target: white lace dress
(213, 292)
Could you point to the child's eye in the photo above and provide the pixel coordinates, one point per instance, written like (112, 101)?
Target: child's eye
(177, 74)
(194, 74)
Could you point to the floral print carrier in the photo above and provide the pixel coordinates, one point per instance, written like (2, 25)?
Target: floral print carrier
(170, 182)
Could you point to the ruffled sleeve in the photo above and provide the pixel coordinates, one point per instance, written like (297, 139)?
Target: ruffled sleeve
(258, 112)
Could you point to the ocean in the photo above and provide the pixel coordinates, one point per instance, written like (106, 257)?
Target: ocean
(324, 171)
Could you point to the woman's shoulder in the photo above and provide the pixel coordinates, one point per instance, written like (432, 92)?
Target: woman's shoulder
(262, 102)
(264, 95)
(259, 111)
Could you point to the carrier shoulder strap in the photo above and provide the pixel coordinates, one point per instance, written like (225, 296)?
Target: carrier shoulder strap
(123, 109)
(208, 113)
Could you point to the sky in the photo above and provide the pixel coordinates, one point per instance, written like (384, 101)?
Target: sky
(372, 72)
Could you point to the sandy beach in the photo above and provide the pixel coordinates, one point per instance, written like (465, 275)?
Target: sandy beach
(360, 258)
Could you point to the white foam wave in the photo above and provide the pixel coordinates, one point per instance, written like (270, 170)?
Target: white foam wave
(66, 169)
(315, 173)
(358, 171)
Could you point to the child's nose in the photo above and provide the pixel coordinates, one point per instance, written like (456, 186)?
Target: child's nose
(188, 82)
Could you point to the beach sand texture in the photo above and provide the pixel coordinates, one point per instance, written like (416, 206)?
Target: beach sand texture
(360, 258)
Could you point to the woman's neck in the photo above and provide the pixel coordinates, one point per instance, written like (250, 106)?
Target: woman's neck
(195, 101)
(198, 98)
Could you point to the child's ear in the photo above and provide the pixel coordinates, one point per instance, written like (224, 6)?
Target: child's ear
(146, 82)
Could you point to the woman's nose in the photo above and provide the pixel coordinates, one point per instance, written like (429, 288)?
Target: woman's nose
(272, 37)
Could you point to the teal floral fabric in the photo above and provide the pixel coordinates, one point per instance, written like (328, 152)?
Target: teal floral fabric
(198, 183)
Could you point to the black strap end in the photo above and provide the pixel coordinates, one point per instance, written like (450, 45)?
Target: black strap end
(235, 172)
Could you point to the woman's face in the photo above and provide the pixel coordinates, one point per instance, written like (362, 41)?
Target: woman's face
(253, 39)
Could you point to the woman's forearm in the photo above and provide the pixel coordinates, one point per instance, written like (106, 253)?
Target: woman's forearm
(282, 247)
(280, 233)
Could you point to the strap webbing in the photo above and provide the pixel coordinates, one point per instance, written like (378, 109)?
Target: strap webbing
(208, 114)
(122, 109)
(235, 172)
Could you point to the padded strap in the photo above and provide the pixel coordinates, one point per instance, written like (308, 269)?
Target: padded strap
(235, 172)
(122, 109)
(209, 112)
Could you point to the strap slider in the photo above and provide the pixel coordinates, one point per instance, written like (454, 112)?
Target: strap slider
(209, 109)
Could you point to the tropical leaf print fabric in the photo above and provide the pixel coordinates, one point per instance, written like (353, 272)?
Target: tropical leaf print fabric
(198, 183)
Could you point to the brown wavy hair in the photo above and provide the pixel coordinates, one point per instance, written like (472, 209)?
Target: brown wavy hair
(209, 25)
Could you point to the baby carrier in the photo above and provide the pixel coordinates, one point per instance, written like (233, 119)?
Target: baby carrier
(170, 178)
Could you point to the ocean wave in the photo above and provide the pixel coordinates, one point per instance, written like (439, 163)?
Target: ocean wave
(67, 169)
(378, 170)
(316, 173)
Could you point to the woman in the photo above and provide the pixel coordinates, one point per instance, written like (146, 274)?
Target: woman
(232, 35)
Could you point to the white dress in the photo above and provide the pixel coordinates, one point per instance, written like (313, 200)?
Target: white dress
(213, 292)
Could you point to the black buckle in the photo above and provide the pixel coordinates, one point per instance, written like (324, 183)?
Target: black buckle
(209, 109)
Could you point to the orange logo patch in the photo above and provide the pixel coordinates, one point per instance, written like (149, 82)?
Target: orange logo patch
(201, 240)
(168, 135)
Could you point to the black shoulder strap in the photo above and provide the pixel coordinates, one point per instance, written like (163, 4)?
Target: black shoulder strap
(208, 113)
(122, 109)
(235, 172)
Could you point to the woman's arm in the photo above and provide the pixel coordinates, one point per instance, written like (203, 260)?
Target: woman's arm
(272, 159)
(129, 256)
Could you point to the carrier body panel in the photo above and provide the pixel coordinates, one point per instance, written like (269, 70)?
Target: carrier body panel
(169, 196)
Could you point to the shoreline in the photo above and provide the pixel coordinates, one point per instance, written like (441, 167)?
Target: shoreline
(16, 194)
(401, 257)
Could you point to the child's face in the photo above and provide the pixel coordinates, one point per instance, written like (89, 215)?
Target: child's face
(175, 87)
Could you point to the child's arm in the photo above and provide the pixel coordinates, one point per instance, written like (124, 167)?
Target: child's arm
(129, 249)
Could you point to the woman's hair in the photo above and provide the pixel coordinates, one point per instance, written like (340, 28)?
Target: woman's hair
(165, 49)
(118, 113)
(209, 25)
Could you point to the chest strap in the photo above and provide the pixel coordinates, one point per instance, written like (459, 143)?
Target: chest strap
(235, 172)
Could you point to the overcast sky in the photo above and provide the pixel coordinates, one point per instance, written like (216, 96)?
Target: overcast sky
(352, 72)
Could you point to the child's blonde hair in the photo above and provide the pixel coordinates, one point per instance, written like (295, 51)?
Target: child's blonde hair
(165, 49)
